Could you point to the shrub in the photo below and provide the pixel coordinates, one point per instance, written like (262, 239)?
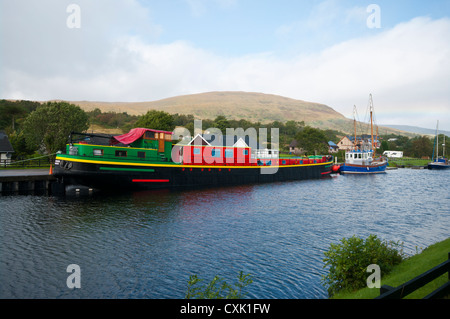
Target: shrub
(348, 261)
(217, 288)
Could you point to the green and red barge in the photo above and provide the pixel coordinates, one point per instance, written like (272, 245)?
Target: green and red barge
(147, 159)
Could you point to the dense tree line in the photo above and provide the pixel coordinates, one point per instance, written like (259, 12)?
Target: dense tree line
(33, 127)
(12, 113)
(417, 147)
(310, 139)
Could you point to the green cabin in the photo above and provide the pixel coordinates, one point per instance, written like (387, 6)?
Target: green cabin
(137, 145)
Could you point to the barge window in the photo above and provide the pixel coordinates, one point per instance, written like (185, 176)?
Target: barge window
(149, 135)
(196, 151)
(121, 153)
(98, 152)
(245, 152)
(141, 154)
(228, 153)
(215, 153)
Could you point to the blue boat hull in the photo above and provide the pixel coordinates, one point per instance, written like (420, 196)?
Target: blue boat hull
(438, 166)
(363, 169)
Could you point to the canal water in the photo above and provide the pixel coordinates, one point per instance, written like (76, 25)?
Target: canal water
(147, 244)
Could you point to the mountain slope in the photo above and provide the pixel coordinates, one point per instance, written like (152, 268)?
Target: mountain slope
(254, 107)
(234, 105)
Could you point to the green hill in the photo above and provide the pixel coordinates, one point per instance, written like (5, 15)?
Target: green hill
(251, 106)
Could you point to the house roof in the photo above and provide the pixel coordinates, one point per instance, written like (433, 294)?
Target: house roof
(199, 140)
(5, 144)
(224, 140)
(358, 138)
(331, 143)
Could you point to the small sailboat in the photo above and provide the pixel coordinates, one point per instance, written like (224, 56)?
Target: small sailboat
(362, 159)
(438, 162)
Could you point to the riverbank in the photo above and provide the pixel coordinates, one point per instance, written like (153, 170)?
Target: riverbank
(408, 162)
(407, 270)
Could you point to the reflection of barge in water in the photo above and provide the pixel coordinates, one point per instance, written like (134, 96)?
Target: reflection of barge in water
(146, 159)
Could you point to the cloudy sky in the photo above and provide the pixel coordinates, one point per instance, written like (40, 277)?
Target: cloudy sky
(335, 52)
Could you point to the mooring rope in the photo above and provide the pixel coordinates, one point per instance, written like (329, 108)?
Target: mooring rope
(30, 159)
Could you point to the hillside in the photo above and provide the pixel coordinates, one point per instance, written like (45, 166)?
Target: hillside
(234, 105)
(254, 107)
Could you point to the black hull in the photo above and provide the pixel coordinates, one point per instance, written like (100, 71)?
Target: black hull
(438, 167)
(128, 177)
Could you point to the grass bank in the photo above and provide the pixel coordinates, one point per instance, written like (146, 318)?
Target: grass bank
(408, 269)
(407, 162)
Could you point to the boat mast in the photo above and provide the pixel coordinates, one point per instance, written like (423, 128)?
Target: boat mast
(371, 122)
(443, 148)
(376, 137)
(437, 140)
(354, 125)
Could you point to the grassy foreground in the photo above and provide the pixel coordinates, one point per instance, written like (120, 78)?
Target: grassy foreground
(408, 269)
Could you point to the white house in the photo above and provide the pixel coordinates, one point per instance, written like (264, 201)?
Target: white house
(6, 149)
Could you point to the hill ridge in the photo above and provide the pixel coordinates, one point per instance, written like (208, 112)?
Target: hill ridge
(262, 107)
(252, 106)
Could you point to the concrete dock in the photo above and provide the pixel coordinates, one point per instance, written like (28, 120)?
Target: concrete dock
(26, 180)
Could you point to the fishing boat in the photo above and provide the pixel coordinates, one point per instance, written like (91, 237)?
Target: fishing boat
(438, 162)
(149, 159)
(362, 158)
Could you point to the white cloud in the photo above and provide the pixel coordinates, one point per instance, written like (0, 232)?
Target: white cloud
(406, 68)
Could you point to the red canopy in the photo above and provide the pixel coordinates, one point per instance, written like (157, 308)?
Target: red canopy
(135, 134)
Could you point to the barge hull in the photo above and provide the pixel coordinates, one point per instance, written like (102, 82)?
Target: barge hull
(132, 177)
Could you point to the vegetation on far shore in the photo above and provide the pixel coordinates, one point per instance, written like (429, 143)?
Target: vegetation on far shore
(24, 120)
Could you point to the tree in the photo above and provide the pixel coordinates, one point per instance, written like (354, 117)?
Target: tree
(11, 111)
(384, 146)
(292, 127)
(49, 126)
(421, 146)
(312, 140)
(222, 124)
(19, 144)
(157, 120)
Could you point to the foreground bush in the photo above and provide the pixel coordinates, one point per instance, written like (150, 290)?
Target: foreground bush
(348, 262)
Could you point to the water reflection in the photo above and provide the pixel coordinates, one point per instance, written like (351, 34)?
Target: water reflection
(146, 244)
